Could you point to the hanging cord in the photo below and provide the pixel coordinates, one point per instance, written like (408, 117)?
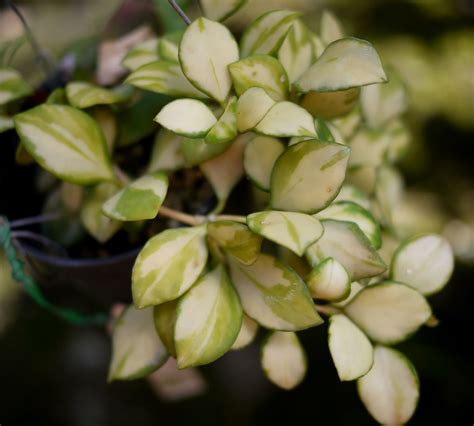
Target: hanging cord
(19, 274)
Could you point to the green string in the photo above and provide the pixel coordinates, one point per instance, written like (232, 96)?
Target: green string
(30, 286)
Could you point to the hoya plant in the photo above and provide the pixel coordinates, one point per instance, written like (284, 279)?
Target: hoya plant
(313, 122)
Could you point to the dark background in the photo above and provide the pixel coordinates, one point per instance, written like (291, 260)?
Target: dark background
(52, 373)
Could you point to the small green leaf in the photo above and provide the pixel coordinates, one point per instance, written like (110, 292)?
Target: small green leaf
(274, 295)
(247, 333)
(252, 106)
(329, 72)
(351, 212)
(260, 71)
(166, 153)
(142, 54)
(296, 52)
(168, 265)
(286, 119)
(165, 78)
(329, 280)
(283, 359)
(81, 94)
(346, 243)
(219, 10)
(295, 231)
(226, 170)
(58, 96)
(67, 142)
(390, 390)
(206, 49)
(308, 175)
(168, 50)
(196, 151)
(187, 117)
(208, 320)
(164, 317)
(260, 156)
(12, 86)
(101, 227)
(225, 129)
(266, 33)
(351, 351)
(140, 200)
(331, 29)
(388, 312)
(136, 348)
(425, 263)
(235, 239)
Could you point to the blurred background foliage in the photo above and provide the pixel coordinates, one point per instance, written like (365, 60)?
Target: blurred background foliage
(55, 374)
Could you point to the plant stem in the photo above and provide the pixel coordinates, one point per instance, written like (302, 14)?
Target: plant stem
(327, 310)
(31, 38)
(180, 216)
(49, 217)
(180, 12)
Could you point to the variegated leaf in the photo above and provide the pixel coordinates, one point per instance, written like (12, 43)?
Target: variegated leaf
(283, 359)
(330, 105)
(252, 106)
(329, 73)
(168, 265)
(140, 200)
(260, 71)
(266, 33)
(346, 243)
(208, 320)
(390, 390)
(308, 175)
(219, 10)
(136, 348)
(12, 85)
(206, 49)
(329, 280)
(351, 350)
(67, 142)
(81, 94)
(197, 151)
(187, 117)
(388, 312)
(331, 29)
(354, 195)
(235, 239)
(166, 153)
(6, 123)
(101, 227)
(274, 295)
(368, 147)
(164, 317)
(425, 263)
(165, 78)
(295, 231)
(142, 54)
(247, 333)
(225, 129)
(388, 191)
(351, 212)
(168, 50)
(286, 119)
(260, 156)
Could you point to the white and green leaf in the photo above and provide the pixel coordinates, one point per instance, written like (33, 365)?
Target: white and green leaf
(219, 10)
(388, 312)
(265, 34)
(329, 72)
(331, 29)
(308, 175)
(247, 333)
(252, 106)
(208, 320)
(295, 231)
(166, 154)
(274, 295)
(187, 117)
(6, 123)
(206, 49)
(142, 54)
(164, 317)
(346, 243)
(369, 147)
(425, 263)
(286, 119)
(82, 94)
(260, 156)
(390, 390)
(136, 347)
(12, 86)
(168, 265)
(196, 151)
(283, 359)
(168, 50)
(388, 191)
(329, 280)
(351, 350)
(351, 193)
(260, 71)
(140, 200)
(225, 129)
(67, 142)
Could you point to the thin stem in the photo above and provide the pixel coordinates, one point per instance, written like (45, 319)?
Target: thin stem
(180, 12)
(49, 217)
(327, 310)
(180, 216)
(235, 218)
(31, 38)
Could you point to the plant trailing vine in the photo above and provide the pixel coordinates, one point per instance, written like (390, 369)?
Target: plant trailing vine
(313, 121)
